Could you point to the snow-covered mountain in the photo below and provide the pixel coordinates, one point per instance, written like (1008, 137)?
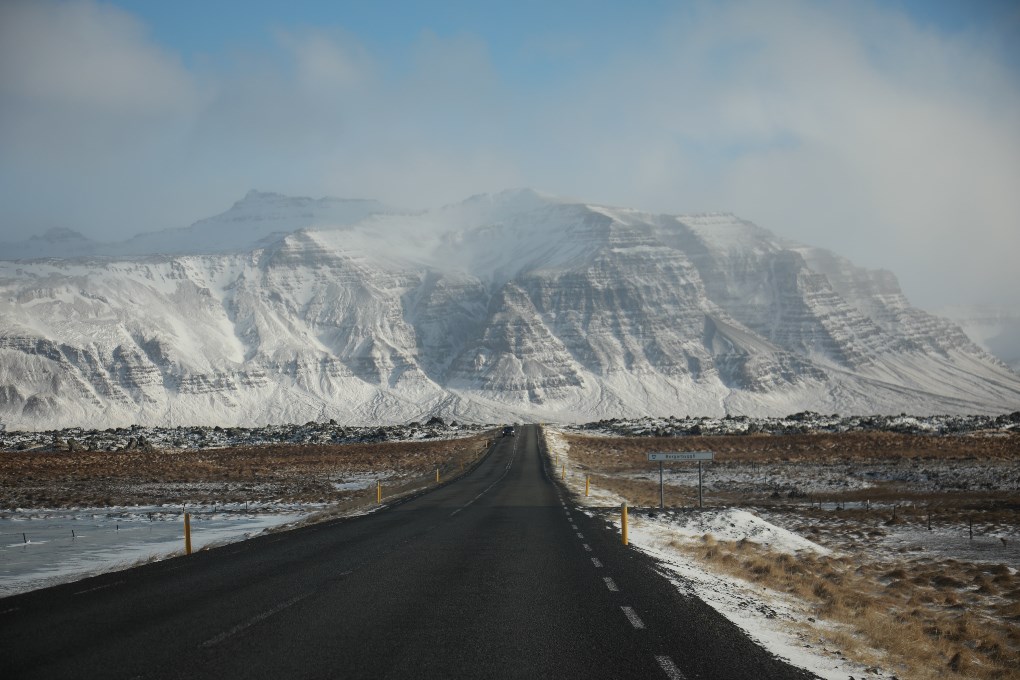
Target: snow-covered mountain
(505, 306)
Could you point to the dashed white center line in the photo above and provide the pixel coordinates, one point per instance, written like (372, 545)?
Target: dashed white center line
(587, 547)
(611, 584)
(632, 616)
(574, 527)
(92, 590)
(672, 672)
(252, 621)
(505, 471)
(9, 611)
(580, 535)
(596, 562)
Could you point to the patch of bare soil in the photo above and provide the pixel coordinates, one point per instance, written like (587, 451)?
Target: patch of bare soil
(287, 473)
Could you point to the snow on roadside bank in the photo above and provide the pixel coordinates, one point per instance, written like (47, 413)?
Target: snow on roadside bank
(770, 618)
(774, 620)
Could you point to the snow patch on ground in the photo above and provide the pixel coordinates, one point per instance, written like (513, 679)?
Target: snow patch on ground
(770, 618)
(731, 524)
(774, 620)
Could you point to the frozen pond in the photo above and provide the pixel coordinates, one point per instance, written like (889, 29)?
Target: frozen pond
(955, 543)
(40, 548)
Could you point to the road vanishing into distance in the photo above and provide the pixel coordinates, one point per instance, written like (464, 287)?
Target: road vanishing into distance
(494, 575)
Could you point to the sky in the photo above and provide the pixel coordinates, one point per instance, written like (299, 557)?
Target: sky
(885, 130)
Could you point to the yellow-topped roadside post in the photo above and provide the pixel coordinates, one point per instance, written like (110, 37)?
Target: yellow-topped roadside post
(623, 522)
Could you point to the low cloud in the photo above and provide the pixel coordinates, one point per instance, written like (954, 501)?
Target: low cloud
(846, 126)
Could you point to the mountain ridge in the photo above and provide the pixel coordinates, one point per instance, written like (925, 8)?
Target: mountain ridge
(514, 304)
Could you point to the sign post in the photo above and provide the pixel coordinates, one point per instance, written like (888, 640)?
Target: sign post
(701, 501)
(699, 456)
(661, 504)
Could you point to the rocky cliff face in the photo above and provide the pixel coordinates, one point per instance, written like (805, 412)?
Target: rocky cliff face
(507, 306)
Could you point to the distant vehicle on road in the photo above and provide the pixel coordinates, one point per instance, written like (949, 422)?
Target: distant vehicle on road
(508, 431)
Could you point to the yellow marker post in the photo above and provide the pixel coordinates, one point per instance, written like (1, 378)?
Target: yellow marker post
(187, 533)
(564, 475)
(624, 523)
(378, 491)
(437, 475)
(587, 485)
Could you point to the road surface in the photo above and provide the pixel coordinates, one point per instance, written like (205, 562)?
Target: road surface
(495, 575)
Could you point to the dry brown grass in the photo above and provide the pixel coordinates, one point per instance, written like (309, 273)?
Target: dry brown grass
(920, 617)
(616, 464)
(925, 623)
(616, 454)
(293, 473)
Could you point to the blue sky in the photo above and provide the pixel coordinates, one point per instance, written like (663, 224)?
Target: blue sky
(519, 35)
(884, 130)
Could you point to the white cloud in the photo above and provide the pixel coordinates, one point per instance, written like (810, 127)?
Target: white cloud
(90, 110)
(87, 57)
(326, 63)
(843, 127)
(840, 125)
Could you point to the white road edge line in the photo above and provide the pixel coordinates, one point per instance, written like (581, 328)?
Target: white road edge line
(672, 672)
(596, 562)
(611, 584)
(632, 616)
(258, 618)
(92, 590)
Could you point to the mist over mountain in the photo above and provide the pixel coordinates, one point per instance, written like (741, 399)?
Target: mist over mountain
(510, 305)
(260, 217)
(994, 328)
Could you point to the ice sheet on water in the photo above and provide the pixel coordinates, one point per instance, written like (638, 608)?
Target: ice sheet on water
(44, 548)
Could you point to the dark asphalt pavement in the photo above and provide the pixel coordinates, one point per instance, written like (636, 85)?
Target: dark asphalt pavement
(495, 575)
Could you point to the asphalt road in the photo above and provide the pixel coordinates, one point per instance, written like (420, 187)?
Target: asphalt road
(495, 575)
